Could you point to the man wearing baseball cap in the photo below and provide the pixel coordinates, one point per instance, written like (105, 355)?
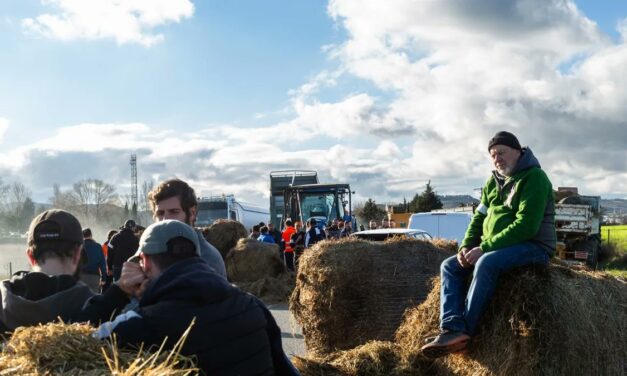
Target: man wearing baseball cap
(52, 290)
(513, 226)
(232, 332)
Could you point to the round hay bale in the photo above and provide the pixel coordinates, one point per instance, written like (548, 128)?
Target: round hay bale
(351, 291)
(449, 245)
(224, 234)
(271, 290)
(251, 260)
(542, 321)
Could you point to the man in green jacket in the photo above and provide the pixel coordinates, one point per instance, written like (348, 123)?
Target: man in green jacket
(513, 226)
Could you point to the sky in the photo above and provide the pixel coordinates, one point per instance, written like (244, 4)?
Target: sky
(383, 95)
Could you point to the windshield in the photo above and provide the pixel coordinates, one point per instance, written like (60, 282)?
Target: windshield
(208, 212)
(322, 206)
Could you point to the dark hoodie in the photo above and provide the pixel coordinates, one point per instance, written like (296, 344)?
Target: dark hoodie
(515, 209)
(233, 333)
(34, 298)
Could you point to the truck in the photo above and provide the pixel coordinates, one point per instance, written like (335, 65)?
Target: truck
(279, 181)
(213, 208)
(578, 227)
(297, 194)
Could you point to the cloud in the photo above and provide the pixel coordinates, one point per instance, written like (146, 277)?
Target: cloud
(126, 21)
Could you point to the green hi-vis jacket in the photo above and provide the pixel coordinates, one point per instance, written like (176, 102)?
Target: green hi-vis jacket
(515, 209)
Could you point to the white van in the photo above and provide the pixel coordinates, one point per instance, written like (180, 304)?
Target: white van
(444, 225)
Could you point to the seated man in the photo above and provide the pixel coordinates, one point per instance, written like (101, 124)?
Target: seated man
(233, 332)
(513, 226)
(52, 290)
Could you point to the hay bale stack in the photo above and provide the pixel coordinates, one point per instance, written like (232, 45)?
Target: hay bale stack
(351, 291)
(251, 260)
(69, 349)
(224, 234)
(542, 321)
(271, 289)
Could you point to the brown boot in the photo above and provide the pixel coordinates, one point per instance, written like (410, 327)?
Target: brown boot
(446, 343)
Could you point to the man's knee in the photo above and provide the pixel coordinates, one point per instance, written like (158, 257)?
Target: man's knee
(448, 265)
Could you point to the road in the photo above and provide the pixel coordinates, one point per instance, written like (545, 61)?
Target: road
(293, 341)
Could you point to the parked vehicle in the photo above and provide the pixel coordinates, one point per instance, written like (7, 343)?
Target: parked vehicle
(213, 208)
(279, 181)
(386, 233)
(578, 228)
(446, 225)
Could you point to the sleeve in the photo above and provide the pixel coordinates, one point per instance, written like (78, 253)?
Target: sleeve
(111, 253)
(534, 193)
(472, 238)
(102, 308)
(282, 365)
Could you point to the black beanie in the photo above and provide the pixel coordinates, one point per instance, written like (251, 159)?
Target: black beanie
(504, 138)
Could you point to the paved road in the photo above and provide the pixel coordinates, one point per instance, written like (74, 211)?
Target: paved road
(293, 341)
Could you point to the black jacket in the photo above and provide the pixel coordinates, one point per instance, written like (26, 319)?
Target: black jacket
(121, 247)
(234, 333)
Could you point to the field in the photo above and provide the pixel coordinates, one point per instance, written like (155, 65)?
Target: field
(12, 258)
(616, 236)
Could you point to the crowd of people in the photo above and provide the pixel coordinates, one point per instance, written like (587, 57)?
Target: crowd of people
(145, 287)
(293, 241)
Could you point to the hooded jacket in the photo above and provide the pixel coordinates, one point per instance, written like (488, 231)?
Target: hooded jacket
(515, 209)
(233, 332)
(33, 298)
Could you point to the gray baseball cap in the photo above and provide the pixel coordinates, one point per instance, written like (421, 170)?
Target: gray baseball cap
(155, 238)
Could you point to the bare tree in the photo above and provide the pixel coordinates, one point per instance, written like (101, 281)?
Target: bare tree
(90, 195)
(147, 186)
(14, 196)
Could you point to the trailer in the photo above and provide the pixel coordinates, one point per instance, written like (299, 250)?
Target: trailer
(578, 229)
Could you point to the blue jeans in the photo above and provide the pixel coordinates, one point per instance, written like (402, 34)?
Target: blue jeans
(460, 310)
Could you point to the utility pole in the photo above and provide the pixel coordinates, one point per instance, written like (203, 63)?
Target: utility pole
(134, 186)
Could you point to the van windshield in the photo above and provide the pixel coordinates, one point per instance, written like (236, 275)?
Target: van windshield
(208, 212)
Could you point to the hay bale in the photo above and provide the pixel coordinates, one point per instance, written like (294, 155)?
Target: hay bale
(69, 349)
(251, 260)
(351, 291)
(449, 245)
(271, 290)
(542, 321)
(224, 234)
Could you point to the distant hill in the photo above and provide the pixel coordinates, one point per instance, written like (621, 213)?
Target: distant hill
(616, 205)
(453, 201)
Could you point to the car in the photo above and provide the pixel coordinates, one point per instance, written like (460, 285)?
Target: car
(386, 233)
(445, 225)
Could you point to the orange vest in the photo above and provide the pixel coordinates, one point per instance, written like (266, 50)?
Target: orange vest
(287, 236)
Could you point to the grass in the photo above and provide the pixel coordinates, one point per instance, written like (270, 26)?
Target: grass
(616, 237)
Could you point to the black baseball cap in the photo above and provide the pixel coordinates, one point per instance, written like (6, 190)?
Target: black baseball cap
(55, 224)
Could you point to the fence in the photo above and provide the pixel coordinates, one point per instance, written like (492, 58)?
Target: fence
(615, 235)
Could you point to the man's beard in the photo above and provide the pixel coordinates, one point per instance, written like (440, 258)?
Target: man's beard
(506, 171)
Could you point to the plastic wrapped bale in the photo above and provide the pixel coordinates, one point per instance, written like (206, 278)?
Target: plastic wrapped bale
(251, 260)
(224, 234)
(69, 349)
(351, 291)
(542, 321)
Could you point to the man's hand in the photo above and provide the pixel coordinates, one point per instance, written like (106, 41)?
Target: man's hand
(472, 255)
(461, 258)
(132, 279)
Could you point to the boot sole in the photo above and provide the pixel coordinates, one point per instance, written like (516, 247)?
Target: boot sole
(440, 351)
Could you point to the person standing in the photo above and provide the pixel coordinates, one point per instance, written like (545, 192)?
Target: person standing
(175, 199)
(288, 252)
(94, 271)
(121, 246)
(513, 226)
(265, 237)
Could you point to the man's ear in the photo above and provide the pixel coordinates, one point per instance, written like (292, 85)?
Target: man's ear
(192, 215)
(31, 258)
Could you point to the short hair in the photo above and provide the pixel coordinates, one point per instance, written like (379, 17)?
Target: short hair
(256, 228)
(61, 249)
(173, 188)
(261, 224)
(87, 232)
(264, 229)
(288, 222)
(178, 249)
(111, 233)
(312, 221)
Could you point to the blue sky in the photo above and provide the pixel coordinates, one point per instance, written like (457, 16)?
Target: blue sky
(384, 96)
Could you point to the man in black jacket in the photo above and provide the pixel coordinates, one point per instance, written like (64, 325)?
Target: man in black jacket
(122, 246)
(233, 332)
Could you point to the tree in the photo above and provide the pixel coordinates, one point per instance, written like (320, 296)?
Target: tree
(14, 198)
(370, 211)
(27, 214)
(426, 201)
(91, 195)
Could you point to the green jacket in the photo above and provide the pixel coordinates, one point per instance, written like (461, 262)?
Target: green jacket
(515, 209)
